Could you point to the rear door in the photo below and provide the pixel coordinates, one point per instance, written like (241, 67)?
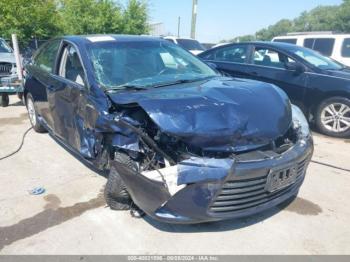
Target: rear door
(230, 60)
(40, 77)
(269, 65)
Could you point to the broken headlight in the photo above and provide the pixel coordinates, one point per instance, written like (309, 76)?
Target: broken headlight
(299, 122)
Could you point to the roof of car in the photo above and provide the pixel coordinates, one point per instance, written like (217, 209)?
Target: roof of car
(175, 37)
(109, 37)
(284, 46)
(267, 43)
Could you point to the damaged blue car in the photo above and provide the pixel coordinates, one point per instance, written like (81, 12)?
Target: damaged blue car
(179, 141)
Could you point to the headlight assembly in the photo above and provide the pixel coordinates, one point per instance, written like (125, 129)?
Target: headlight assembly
(299, 122)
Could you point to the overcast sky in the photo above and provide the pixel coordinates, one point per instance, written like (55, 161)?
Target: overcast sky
(225, 19)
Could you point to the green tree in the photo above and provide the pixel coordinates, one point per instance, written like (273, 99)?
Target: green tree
(135, 18)
(90, 16)
(244, 38)
(343, 17)
(322, 18)
(281, 27)
(29, 18)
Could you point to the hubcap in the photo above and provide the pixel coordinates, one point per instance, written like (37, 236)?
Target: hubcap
(31, 112)
(336, 117)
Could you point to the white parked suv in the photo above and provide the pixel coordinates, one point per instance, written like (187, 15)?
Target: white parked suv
(336, 46)
(187, 43)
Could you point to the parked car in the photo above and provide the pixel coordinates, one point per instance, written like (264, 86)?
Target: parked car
(317, 84)
(189, 44)
(336, 46)
(8, 70)
(182, 143)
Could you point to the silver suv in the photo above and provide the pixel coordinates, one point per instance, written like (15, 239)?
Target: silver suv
(8, 70)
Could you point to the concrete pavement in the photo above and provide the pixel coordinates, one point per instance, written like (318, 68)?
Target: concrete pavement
(71, 217)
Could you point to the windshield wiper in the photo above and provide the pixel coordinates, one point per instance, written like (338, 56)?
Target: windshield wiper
(123, 87)
(181, 81)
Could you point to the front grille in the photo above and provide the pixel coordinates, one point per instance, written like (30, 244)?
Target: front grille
(5, 69)
(237, 195)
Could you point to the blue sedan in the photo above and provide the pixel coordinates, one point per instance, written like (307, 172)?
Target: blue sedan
(178, 141)
(319, 85)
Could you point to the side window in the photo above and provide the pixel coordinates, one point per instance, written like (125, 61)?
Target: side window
(309, 42)
(170, 40)
(208, 56)
(235, 54)
(70, 66)
(345, 51)
(46, 58)
(267, 57)
(323, 45)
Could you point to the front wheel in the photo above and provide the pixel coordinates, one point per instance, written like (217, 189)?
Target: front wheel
(333, 117)
(116, 194)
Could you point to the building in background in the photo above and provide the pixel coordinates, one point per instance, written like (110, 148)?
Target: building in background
(157, 29)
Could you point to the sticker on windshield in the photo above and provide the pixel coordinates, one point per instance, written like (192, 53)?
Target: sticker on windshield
(100, 38)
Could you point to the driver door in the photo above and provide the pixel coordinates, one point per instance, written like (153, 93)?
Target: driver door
(67, 100)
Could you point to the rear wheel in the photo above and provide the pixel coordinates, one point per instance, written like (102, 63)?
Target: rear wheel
(4, 100)
(333, 117)
(33, 115)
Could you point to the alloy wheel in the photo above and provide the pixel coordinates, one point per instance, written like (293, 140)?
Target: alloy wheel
(336, 117)
(31, 112)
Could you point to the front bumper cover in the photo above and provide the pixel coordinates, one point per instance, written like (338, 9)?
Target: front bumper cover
(200, 183)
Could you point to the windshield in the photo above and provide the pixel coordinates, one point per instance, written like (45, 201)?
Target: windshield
(4, 48)
(190, 44)
(144, 64)
(317, 59)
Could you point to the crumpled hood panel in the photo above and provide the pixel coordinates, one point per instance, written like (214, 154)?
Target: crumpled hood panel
(220, 114)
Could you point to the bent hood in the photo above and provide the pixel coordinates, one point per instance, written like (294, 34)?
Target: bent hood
(223, 114)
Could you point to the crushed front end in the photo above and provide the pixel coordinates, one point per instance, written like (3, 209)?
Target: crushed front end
(187, 185)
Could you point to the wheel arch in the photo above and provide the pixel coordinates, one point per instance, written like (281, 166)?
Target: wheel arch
(316, 103)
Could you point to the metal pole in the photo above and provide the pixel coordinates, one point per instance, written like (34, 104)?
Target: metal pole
(194, 19)
(17, 56)
(178, 26)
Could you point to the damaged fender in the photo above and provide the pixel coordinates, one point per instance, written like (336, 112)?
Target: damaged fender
(150, 190)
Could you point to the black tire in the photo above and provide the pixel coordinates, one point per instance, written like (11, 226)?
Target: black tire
(4, 100)
(37, 126)
(318, 117)
(116, 194)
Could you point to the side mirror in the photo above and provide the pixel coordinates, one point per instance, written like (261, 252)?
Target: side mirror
(296, 67)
